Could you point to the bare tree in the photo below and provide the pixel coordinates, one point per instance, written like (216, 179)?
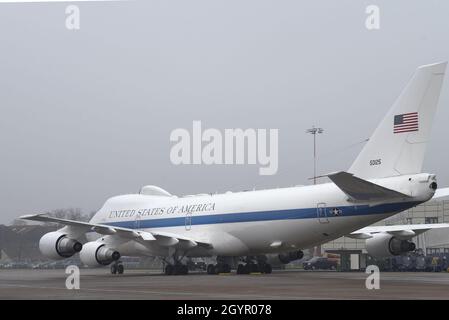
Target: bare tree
(19, 222)
(63, 213)
(69, 214)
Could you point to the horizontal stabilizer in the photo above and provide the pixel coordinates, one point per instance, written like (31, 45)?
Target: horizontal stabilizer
(361, 190)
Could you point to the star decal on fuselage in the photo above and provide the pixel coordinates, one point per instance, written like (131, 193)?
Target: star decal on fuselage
(336, 211)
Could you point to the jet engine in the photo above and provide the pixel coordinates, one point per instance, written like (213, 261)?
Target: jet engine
(57, 245)
(386, 245)
(96, 254)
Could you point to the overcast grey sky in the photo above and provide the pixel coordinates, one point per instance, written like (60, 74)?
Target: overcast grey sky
(86, 115)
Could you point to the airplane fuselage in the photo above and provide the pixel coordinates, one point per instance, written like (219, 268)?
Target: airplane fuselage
(256, 222)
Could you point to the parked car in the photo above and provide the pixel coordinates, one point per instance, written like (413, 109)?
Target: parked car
(320, 263)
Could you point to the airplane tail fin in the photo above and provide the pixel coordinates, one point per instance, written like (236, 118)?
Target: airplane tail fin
(398, 144)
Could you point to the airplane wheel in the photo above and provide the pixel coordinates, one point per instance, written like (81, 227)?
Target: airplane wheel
(113, 268)
(177, 269)
(169, 270)
(120, 269)
(180, 269)
(184, 269)
(210, 269)
(240, 269)
(222, 268)
(247, 268)
(267, 268)
(254, 267)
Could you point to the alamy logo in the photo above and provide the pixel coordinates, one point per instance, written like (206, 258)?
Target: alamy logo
(372, 21)
(72, 21)
(234, 146)
(73, 278)
(373, 280)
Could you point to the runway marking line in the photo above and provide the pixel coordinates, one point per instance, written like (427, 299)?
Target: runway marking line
(230, 296)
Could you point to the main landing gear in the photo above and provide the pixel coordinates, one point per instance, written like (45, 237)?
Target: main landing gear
(176, 269)
(117, 267)
(218, 268)
(174, 266)
(247, 266)
(223, 265)
(251, 267)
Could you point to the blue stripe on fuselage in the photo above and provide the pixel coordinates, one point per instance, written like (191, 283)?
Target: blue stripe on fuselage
(304, 213)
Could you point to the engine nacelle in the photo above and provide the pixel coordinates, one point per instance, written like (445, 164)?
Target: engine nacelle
(288, 257)
(96, 254)
(385, 245)
(57, 245)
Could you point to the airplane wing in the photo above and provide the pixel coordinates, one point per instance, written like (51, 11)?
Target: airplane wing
(403, 232)
(406, 231)
(161, 238)
(361, 190)
(441, 193)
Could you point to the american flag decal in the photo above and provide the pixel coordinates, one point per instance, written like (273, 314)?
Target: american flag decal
(406, 122)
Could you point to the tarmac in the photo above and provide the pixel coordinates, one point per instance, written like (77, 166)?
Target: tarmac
(142, 284)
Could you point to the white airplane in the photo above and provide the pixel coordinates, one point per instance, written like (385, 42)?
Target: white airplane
(384, 180)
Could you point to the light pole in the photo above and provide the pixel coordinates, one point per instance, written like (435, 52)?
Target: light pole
(314, 131)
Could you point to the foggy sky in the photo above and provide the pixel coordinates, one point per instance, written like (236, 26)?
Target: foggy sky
(87, 114)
